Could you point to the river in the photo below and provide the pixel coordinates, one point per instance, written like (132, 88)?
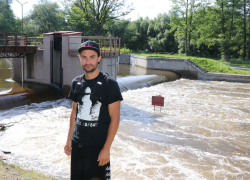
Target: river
(202, 132)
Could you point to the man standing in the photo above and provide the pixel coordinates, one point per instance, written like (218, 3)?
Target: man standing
(94, 118)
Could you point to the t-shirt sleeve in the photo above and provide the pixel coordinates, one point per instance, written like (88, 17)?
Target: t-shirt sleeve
(72, 95)
(114, 93)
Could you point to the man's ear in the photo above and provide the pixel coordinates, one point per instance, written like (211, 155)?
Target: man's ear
(99, 59)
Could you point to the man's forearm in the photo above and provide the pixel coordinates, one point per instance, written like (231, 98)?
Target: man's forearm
(113, 127)
(114, 112)
(71, 126)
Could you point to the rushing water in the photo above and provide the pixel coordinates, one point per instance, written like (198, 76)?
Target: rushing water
(14, 94)
(202, 132)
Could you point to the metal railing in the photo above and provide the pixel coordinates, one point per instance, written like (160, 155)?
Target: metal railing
(109, 46)
(19, 39)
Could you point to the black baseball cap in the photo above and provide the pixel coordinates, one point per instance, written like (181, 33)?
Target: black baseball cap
(89, 45)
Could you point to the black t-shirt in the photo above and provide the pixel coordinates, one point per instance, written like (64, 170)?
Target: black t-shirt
(92, 116)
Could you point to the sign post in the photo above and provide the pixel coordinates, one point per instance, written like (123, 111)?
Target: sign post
(158, 101)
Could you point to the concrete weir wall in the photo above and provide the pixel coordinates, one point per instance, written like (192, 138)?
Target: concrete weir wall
(186, 68)
(124, 58)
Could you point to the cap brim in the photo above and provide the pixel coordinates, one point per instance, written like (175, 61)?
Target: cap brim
(88, 48)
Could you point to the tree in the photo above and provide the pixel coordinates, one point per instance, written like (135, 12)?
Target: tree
(220, 26)
(98, 13)
(118, 28)
(161, 39)
(179, 20)
(244, 11)
(184, 22)
(136, 37)
(8, 23)
(48, 17)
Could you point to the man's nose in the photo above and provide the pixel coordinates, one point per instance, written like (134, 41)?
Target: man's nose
(87, 60)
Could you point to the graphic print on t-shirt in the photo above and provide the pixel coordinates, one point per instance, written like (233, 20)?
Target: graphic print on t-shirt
(87, 111)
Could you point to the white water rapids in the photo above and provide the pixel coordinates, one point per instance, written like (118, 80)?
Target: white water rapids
(202, 132)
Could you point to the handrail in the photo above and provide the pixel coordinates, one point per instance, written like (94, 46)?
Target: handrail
(106, 44)
(19, 39)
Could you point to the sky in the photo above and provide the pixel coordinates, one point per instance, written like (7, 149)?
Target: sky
(142, 8)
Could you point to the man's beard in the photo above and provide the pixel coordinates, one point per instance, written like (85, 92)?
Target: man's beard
(90, 70)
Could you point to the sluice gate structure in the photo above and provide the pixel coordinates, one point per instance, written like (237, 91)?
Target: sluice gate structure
(53, 59)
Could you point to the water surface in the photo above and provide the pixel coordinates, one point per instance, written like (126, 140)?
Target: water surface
(202, 132)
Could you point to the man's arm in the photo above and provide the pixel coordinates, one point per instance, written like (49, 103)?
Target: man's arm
(114, 112)
(67, 147)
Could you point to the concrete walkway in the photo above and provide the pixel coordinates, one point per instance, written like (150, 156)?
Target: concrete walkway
(241, 68)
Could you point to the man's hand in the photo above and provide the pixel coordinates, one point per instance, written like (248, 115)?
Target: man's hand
(67, 149)
(104, 157)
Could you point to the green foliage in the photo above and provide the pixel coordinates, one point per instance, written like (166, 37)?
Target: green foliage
(118, 28)
(47, 17)
(8, 23)
(143, 34)
(96, 14)
(161, 39)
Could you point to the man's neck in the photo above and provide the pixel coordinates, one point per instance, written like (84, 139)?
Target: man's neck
(92, 75)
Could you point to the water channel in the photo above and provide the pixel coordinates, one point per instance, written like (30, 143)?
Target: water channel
(202, 132)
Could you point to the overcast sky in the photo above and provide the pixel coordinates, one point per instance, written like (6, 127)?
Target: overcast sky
(142, 8)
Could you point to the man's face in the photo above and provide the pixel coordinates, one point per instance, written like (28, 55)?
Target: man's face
(89, 60)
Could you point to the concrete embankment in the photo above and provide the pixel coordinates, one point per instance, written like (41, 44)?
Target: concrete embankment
(186, 68)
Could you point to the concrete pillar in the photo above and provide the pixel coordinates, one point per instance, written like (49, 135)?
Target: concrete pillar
(17, 69)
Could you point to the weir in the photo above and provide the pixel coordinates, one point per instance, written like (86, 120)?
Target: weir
(186, 68)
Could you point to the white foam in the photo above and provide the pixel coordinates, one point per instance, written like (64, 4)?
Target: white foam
(202, 132)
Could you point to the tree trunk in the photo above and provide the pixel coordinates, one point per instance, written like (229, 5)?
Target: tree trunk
(223, 31)
(190, 25)
(231, 28)
(245, 31)
(186, 48)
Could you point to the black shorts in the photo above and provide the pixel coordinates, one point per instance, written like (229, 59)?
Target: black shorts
(84, 164)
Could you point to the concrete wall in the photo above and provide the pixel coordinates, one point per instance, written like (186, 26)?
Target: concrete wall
(41, 68)
(187, 68)
(108, 65)
(124, 58)
(70, 64)
(16, 69)
(56, 66)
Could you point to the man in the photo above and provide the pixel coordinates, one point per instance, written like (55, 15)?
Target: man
(94, 118)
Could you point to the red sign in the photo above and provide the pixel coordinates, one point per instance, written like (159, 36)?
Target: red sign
(158, 100)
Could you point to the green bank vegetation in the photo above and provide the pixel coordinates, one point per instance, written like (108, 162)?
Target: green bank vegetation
(208, 64)
(8, 171)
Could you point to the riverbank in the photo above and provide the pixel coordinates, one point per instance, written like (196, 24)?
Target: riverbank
(209, 65)
(10, 172)
(197, 69)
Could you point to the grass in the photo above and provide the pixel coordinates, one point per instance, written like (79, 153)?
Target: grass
(9, 171)
(239, 63)
(207, 64)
